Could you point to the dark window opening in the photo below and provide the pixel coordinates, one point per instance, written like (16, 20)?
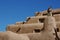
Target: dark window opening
(57, 29)
(41, 20)
(37, 30)
(44, 14)
(55, 13)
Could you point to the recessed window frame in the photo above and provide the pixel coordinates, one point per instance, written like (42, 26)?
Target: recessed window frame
(36, 30)
(41, 20)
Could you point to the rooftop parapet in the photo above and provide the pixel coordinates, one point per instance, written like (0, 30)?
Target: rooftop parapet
(19, 23)
(25, 28)
(12, 25)
(55, 11)
(38, 14)
(39, 17)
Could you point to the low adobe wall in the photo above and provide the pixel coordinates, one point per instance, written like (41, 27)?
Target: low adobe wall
(25, 28)
(57, 17)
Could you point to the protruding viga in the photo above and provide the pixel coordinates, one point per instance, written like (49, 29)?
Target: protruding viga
(12, 36)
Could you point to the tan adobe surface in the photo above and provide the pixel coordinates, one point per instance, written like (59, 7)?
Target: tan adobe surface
(29, 25)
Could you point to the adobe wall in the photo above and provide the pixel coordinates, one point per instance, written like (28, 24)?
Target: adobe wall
(34, 19)
(58, 25)
(27, 27)
(57, 17)
(12, 28)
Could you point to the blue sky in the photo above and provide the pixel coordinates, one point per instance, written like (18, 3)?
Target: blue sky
(12, 11)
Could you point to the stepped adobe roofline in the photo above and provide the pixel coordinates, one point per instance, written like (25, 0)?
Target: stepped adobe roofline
(35, 22)
(54, 11)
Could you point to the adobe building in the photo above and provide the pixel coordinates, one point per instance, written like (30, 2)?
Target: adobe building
(35, 23)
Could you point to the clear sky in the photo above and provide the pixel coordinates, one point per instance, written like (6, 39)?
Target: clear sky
(12, 11)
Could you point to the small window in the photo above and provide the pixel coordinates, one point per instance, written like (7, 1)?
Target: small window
(41, 20)
(57, 29)
(44, 14)
(36, 30)
(56, 13)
